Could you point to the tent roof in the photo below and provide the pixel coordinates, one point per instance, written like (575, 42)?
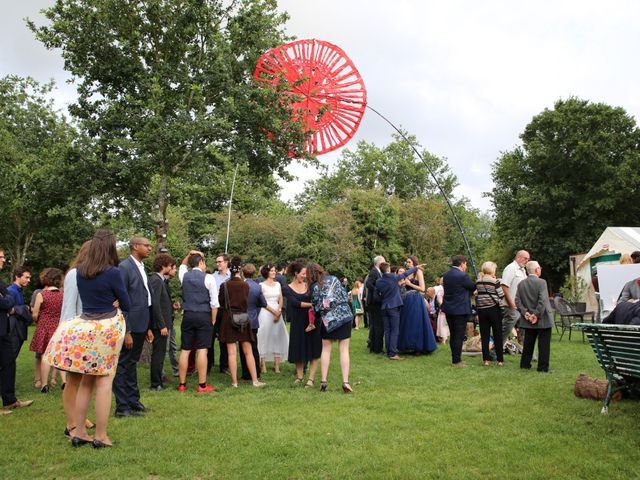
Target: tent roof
(618, 239)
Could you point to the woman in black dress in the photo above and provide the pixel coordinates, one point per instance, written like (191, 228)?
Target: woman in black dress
(303, 346)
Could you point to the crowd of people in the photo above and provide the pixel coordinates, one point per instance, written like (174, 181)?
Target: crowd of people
(92, 323)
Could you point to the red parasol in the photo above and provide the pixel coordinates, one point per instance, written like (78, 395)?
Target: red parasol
(327, 91)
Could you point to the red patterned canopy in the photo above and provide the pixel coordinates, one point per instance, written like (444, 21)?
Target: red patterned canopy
(327, 91)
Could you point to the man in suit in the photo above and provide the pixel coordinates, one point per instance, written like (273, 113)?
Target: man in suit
(630, 291)
(138, 321)
(7, 358)
(162, 319)
(456, 304)
(255, 301)
(21, 318)
(536, 317)
(376, 328)
(388, 292)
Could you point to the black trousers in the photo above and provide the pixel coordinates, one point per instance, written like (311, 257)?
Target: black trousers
(211, 353)
(458, 329)
(543, 335)
(125, 383)
(256, 357)
(376, 328)
(158, 351)
(490, 320)
(7, 371)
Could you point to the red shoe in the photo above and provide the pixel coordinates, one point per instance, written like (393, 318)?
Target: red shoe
(206, 388)
(182, 388)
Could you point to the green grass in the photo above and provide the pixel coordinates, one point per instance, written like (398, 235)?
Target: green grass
(414, 419)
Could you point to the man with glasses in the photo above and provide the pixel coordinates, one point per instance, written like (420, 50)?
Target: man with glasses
(512, 275)
(7, 358)
(125, 383)
(221, 276)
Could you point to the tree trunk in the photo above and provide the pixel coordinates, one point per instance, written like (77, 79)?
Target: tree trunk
(160, 217)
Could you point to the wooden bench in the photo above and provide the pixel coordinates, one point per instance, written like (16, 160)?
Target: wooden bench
(617, 348)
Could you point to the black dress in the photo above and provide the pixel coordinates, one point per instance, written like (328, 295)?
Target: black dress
(303, 346)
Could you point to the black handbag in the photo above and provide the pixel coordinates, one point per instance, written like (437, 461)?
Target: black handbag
(240, 320)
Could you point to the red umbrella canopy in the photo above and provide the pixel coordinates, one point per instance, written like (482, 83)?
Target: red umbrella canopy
(327, 91)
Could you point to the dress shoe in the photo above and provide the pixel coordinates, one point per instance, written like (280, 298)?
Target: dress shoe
(98, 444)
(19, 404)
(78, 442)
(128, 413)
(141, 408)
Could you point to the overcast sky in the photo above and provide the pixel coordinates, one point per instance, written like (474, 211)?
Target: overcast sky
(464, 76)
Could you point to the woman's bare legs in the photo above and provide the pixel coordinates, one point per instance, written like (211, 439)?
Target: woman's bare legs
(233, 367)
(345, 360)
(325, 359)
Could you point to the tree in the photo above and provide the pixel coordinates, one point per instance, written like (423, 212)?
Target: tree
(42, 158)
(393, 169)
(165, 87)
(577, 171)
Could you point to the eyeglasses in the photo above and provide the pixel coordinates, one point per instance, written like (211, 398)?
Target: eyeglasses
(147, 245)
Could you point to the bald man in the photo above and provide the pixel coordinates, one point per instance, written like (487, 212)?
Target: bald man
(125, 383)
(512, 275)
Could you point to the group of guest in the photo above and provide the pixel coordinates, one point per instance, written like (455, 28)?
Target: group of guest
(94, 328)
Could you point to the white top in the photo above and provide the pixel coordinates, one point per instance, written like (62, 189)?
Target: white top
(143, 274)
(512, 275)
(271, 294)
(209, 283)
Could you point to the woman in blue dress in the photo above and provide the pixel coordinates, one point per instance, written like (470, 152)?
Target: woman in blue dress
(416, 334)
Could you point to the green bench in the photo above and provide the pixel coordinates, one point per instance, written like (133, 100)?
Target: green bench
(617, 348)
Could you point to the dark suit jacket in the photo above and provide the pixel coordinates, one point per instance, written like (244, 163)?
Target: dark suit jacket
(457, 292)
(388, 290)
(370, 285)
(138, 318)
(6, 304)
(255, 302)
(162, 307)
(533, 296)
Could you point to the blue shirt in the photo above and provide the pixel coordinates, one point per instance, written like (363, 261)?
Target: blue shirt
(16, 293)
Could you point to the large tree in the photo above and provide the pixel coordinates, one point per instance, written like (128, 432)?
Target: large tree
(43, 160)
(165, 87)
(577, 171)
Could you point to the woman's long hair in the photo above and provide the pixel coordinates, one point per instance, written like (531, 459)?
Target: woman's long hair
(82, 255)
(315, 274)
(102, 254)
(356, 287)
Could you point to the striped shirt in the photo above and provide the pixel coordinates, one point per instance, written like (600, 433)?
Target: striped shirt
(489, 293)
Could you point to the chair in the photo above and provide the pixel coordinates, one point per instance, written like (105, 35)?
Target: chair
(569, 317)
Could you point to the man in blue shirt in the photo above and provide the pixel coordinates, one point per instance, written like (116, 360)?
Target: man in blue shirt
(21, 317)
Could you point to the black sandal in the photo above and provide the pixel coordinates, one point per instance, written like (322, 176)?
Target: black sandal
(346, 388)
(323, 386)
(309, 383)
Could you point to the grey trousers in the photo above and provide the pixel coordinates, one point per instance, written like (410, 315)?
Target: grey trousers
(509, 321)
(172, 348)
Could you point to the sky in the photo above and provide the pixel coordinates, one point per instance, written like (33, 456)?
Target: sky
(465, 77)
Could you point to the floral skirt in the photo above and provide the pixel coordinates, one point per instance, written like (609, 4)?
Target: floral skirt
(87, 346)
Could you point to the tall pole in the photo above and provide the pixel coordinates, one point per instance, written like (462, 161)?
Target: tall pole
(233, 186)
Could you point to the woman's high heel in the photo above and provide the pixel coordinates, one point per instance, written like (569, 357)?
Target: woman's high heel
(323, 386)
(346, 388)
(98, 444)
(78, 442)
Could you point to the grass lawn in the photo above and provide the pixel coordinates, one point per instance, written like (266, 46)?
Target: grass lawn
(414, 419)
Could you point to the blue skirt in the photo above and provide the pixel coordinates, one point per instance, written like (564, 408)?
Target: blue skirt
(416, 333)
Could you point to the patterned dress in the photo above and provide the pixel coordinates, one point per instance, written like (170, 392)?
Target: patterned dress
(48, 319)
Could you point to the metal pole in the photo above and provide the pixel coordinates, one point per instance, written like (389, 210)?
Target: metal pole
(233, 186)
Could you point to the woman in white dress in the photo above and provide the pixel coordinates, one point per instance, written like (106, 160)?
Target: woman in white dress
(273, 338)
(443, 328)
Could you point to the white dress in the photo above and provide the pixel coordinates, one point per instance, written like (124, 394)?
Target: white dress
(442, 329)
(273, 338)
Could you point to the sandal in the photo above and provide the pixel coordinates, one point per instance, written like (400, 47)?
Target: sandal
(486, 363)
(310, 328)
(309, 383)
(298, 380)
(346, 388)
(37, 384)
(323, 386)
(501, 364)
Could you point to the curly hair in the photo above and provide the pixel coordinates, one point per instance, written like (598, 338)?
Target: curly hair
(51, 277)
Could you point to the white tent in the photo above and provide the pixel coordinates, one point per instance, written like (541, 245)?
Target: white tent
(613, 242)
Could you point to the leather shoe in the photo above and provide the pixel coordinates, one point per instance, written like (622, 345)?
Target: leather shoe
(19, 404)
(128, 413)
(140, 408)
(98, 444)
(78, 442)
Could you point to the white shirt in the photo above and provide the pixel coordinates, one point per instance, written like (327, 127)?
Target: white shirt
(512, 275)
(209, 283)
(143, 273)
